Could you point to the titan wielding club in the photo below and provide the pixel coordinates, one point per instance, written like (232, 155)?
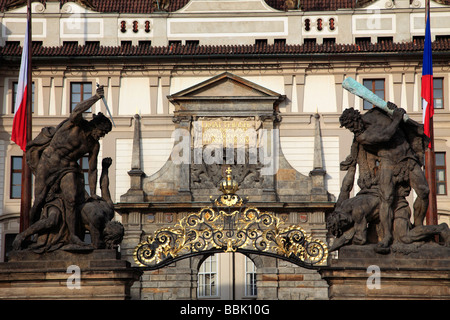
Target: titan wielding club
(107, 108)
(358, 89)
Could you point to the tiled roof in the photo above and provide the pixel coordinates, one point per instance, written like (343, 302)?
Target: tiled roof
(120, 6)
(133, 6)
(149, 6)
(315, 5)
(329, 5)
(95, 50)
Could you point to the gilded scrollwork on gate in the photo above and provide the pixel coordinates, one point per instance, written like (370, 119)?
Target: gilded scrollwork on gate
(230, 226)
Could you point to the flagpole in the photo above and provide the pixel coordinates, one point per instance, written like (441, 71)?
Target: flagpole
(25, 202)
(430, 173)
(430, 160)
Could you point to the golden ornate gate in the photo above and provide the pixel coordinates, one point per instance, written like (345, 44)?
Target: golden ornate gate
(230, 226)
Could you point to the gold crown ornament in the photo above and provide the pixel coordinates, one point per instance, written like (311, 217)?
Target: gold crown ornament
(228, 185)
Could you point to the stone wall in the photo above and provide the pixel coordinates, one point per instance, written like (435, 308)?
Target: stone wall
(276, 280)
(281, 280)
(175, 282)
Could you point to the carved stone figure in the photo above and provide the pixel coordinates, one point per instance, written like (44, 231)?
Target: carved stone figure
(204, 176)
(349, 222)
(96, 215)
(60, 196)
(292, 4)
(388, 153)
(161, 5)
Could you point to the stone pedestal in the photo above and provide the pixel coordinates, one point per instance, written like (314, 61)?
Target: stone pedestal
(417, 271)
(62, 275)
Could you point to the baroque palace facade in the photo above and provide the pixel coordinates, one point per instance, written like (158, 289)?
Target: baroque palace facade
(170, 66)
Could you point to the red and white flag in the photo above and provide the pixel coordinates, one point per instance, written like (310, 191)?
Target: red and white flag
(19, 129)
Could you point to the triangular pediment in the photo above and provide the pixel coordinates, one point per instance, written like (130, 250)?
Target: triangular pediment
(225, 95)
(226, 85)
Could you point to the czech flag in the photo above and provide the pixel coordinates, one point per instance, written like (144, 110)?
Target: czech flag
(19, 129)
(427, 81)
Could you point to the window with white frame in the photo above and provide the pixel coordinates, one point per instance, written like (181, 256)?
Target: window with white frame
(207, 278)
(377, 86)
(16, 177)
(438, 93)
(250, 278)
(441, 173)
(14, 96)
(84, 164)
(79, 91)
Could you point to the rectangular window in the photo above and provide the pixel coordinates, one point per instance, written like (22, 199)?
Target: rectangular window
(12, 43)
(418, 39)
(438, 93)
(84, 164)
(92, 43)
(309, 41)
(15, 88)
(79, 91)
(207, 278)
(441, 174)
(16, 178)
(174, 43)
(70, 43)
(363, 40)
(145, 43)
(385, 40)
(279, 41)
(377, 87)
(443, 37)
(193, 43)
(260, 42)
(329, 41)
(250, 278)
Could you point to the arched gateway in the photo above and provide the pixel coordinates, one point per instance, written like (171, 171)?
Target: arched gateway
(176, 218)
